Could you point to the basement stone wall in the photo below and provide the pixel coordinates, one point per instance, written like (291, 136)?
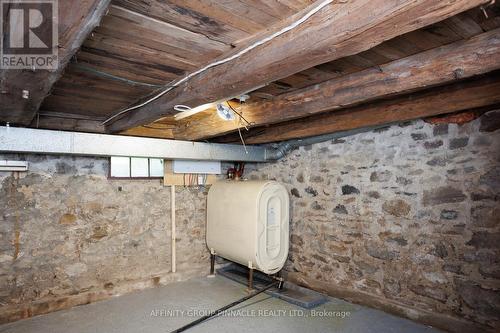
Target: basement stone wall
(407, 217)
(70, 236)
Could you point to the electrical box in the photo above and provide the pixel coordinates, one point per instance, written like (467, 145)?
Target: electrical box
(197, 167)
(190, 177)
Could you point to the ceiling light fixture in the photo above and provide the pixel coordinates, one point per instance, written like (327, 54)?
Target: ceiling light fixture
(224, 112)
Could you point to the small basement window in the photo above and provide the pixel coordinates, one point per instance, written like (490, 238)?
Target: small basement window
(135, 167)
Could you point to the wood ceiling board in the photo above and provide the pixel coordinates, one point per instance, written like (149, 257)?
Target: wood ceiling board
(83, 93)
(161, 32)
(249, 10)
(401, 44)
(297, 5)
(463, 25)
(305, 78)
(212, 9)
(185, 18)
(384, 53)
(325, 72)
(124, 50)
(125, 68)
(432, 37)
(84, 106)
(101, 94)
(184, 59)
(74, 76)
(339, 67)
(106, 94)
(277, 9)
(273, 88)
(121, 75)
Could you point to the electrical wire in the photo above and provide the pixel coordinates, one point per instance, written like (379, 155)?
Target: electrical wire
(240, 115)
(238, 126)
(225, 60)
(242, 141)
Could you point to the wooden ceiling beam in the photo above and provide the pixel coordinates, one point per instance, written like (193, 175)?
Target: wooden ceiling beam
(76, 20)
(442, 65)
(338, 30)
(471, 94)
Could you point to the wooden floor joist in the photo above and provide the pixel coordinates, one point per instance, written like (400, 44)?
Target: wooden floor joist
(338, 30)
(471, 94)
(443, 65)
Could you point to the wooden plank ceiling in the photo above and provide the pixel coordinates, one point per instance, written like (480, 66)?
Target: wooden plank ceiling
(141, 46)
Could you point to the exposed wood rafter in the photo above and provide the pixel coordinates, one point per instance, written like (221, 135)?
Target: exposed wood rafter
(339, 30)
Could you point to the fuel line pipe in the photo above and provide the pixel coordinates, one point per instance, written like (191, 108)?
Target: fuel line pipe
(279, 282)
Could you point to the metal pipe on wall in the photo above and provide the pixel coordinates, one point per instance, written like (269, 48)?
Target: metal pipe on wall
(279, 150)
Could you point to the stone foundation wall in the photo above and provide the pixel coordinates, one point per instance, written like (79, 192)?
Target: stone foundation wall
(70, 236)
(408, 216)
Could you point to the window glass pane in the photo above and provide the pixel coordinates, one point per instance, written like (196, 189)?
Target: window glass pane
(120, 166)
(155, 167)
(140, 167)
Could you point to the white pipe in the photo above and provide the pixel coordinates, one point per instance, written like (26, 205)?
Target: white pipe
(172, 208)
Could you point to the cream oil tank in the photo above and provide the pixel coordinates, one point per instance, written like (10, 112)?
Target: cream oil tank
(248, 223)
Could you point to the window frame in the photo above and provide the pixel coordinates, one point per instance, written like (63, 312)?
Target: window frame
(130, 169)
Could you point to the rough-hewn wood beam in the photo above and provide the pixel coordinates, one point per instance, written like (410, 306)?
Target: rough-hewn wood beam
(338, 30)
(478, 55)
(471, 94)
(76, 20)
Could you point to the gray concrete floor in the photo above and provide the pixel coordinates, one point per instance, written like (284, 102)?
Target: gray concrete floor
(159, 310)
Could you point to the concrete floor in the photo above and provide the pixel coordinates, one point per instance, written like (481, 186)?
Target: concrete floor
(154, 310)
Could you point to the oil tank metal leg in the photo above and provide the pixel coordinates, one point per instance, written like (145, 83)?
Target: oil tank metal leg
(281, 281)
(212, 263)
(250, 276)
(250, 279)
